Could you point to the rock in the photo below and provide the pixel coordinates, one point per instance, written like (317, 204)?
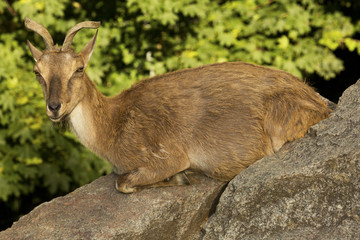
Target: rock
(310, 189)
(98, 211)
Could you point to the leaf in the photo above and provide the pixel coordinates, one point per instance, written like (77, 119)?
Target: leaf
(331, 39)
(283, 42)
(351, 44)
(33, 161)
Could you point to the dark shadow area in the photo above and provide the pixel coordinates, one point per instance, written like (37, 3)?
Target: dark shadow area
(333, 89)
(25, 205)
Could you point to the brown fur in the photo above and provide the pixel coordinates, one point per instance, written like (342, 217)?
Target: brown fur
(216, 119)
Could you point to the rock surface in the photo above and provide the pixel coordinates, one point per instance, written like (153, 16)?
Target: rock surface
(98, 211)
(309, 190)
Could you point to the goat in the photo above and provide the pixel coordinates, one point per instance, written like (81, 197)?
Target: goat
(215, 119)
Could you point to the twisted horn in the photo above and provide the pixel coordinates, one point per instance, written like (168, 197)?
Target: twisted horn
(71, 34)
(41, 30)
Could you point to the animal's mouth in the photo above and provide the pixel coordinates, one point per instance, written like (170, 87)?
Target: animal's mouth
(57, 119)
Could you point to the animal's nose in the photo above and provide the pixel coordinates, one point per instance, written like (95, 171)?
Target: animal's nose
(54, 107)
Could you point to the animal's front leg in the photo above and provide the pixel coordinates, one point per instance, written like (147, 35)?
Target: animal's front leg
(160, 168)
(139, 179)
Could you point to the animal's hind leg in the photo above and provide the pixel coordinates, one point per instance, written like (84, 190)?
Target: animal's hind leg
(178, 179)
(283, 123)
(289, 117)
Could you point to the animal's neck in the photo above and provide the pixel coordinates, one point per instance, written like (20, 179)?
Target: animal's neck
(88, 115)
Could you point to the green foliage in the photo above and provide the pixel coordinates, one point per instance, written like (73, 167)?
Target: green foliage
(138, 39)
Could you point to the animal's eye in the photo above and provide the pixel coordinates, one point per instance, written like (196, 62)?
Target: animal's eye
(80, 69)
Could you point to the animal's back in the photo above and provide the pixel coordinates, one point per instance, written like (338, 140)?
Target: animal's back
(222, 116)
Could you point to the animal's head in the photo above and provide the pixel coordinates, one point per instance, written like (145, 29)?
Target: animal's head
(60, 71)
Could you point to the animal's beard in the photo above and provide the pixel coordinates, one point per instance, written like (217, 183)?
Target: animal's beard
(62, 125)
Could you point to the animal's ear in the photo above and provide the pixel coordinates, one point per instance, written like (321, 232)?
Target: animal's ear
(88, 49)
(36, 53)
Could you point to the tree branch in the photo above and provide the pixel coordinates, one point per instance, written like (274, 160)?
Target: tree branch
(10, 8)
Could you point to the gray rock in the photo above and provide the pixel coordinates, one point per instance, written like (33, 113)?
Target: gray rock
(98, 211)
(310, 189)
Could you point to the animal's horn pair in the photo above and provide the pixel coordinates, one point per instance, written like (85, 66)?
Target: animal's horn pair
(44, 33)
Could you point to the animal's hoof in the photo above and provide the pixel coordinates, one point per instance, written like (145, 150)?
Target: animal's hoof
(124, 188)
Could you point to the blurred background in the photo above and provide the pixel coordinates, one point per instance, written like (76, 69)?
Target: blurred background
(315, 40)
